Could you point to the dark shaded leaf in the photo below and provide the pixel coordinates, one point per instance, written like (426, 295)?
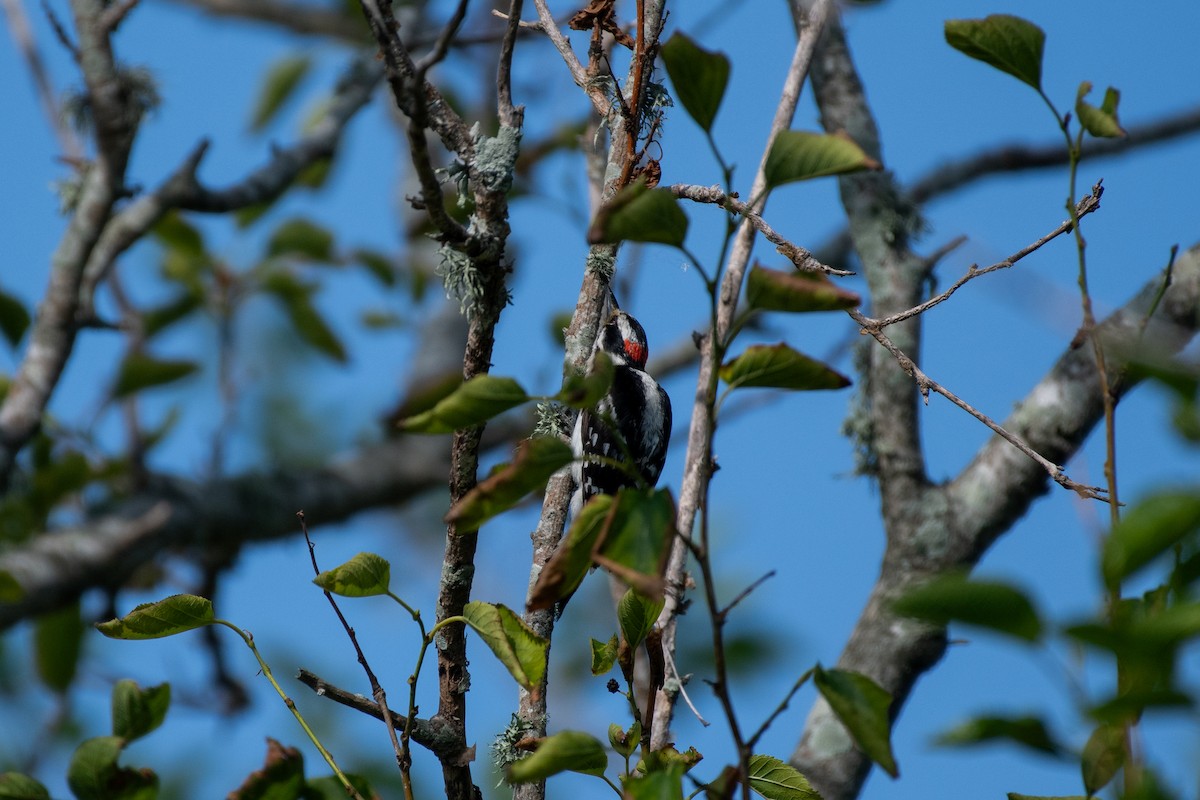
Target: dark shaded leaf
(58, 641)
(801, 156)
(93, 773)
(519, 649)
(166, 617)
(638, 214)
(1103, 755)
(584, 391)
(176, 233)
(775, 780)
(780, 367)
(296, 298)
(14, 318)
(637, 540)
(136, 711)
(379, 264)
(10, 590)
(664, 784)
(698, 75)
(1027, 731)
(155, 320)
(774, 290)
(862, 706)
(536, 460)
(139, 371)
(954, 597)
(278, 85)
(1010, 44)
(281, 776)
(1152, 527)
(472, 403)
(330, 788)
(365, 575)
(566, 569)
(15, 786)
(301, 238)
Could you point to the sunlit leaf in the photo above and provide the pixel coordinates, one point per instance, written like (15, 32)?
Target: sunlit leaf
(795, 291)
(472, 403)
(775, 780)
(954, 597)
(519, 649)
(536, 460)
(58, 640)
(638, 214)
(1101, 122)
(604, 655)
(1027, 731)
(698, 75)
(637, 542)
(167, 617)
(780, 367)
(1147, 530)
(625, 742)
(139, 371)
(862, 706)
(1010, 44)
(566, 751)
(365, 575)
(1103, 755)
(637, 615)
(136, 711)
(15, 786)
(14, 318)
(566, 569)
(663, 784)
(278, 85)
(802, 155)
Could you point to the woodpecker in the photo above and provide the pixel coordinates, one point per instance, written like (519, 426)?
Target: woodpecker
(636, 405)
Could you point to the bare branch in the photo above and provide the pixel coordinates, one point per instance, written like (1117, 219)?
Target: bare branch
(22, 33)
(600, 100)
(308, 19)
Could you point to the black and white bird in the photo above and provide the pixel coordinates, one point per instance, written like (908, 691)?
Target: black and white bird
(638, 408)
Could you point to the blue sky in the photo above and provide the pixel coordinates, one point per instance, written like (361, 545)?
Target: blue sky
(785, 498)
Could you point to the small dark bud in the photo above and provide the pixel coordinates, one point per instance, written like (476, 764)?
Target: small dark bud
(612, 686)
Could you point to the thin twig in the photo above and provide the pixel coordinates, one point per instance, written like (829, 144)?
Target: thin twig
(925, 385)
(744, 593)
(442, 45)
(679, 681)
(578, 73)
(762, 729)
(22, 33)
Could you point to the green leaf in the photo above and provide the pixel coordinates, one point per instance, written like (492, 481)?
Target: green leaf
(296, 298)
(862, 706)
(775, 780)
(625, 742)
(566, 751)
(58, 640)
(1103, 755)
(136, 711)
(664, 784)
(802, 155)
(93, 773)
(585, 391)
(1101, 122)
(167, 617)
(637, 541)
(566, 569)
(301, 238)
(698, 75)
(139, 371)
(176, 233)
(155, 320)
(330, 788)
(1152, 527)
(15, 786)
(10, 590)
(780, 367)
(14, 318)
(365, 575)
(954, 597)
(281, 776)
(316, 174)
(536, 460)
(519, 649)
(774, 290)
(604, 655)
(638, 214)
(1018, 796)
(472, 403)
(1027, 731)
(380, 265)
(637, 615)
(1010, 44)
(278, 85)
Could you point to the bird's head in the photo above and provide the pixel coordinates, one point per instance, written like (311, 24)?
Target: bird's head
(624, 340)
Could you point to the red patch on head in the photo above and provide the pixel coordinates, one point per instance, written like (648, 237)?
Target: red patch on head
(636, 352)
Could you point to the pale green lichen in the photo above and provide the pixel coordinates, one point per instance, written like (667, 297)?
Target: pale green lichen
(495, 158)
(504, 749)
